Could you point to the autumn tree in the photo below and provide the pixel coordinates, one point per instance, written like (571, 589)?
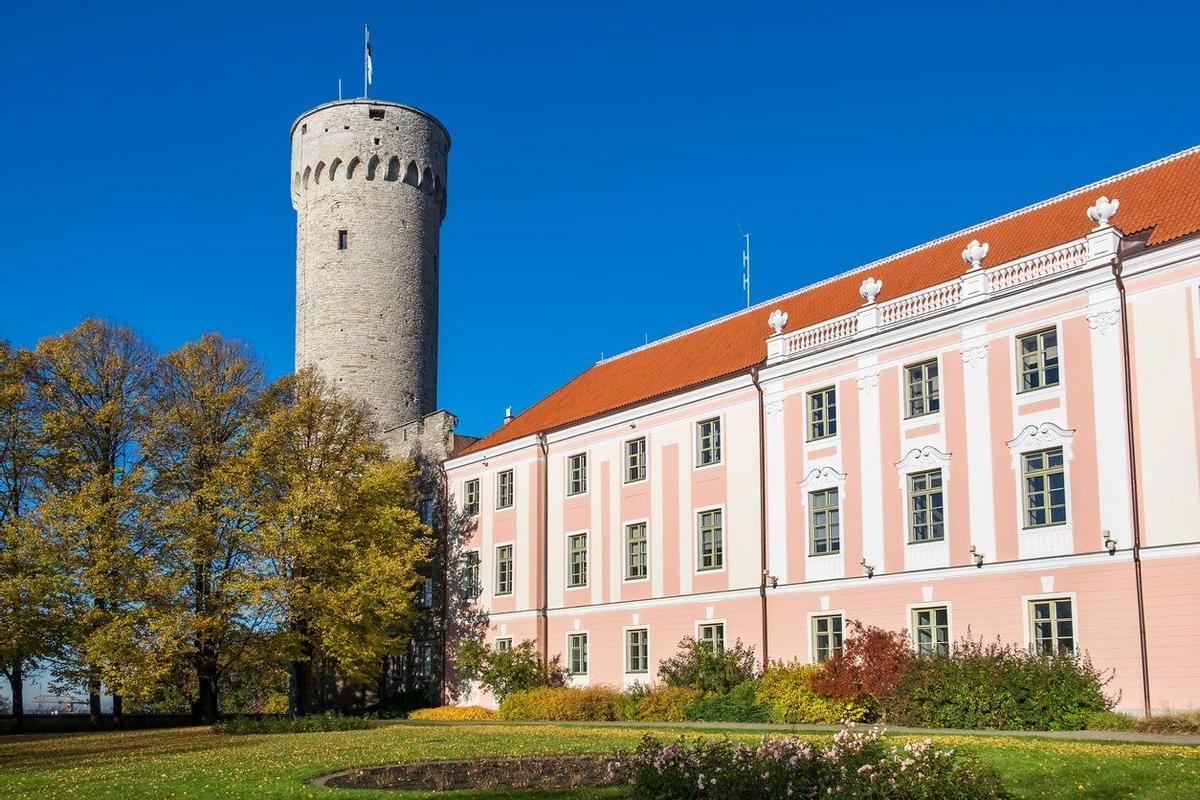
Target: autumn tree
(201, 421)
(339, 542)
(31, 585)
(94, 387)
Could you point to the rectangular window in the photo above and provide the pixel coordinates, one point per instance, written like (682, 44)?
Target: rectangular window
(577, 647)
(924, 395)
(931, 631)
(824, 523)
(712, 636)
(710, 537)
(1037, 359)
(504, 489)
(426, 509)
(1052, 626)
(425, 599)
(637, 650)
(577, 560)
(577, 474)
(827, 636)
(635, 460)
(504, 645)
(504, 569)
(636, 552)
(822, 413)
(471, 497)
(926, 512)
(471, 586)
(343, 240)
(425, 661)
(1045, 481)
(708, 442)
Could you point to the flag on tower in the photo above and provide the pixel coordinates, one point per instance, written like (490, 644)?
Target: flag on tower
(367, 55)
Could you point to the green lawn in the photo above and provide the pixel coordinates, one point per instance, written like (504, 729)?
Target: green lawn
(194, 762)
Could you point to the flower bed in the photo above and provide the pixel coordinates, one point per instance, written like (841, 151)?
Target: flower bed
(551, 772)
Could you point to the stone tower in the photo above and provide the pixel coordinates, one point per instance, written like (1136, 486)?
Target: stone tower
(369, 189)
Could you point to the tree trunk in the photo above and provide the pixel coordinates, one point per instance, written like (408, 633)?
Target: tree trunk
(94, 703)
(16, 681)
(118, 709)
(207, 703)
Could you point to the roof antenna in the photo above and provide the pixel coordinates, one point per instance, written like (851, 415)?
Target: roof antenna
(745, 263)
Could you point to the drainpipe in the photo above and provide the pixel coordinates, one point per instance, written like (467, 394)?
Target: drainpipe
(762, 514)
(1133, 484)
(542, 615)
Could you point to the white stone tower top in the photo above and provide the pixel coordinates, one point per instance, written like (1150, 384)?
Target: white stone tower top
(369, 189)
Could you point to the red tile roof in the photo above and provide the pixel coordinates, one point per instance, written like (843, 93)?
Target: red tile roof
(1162, 197)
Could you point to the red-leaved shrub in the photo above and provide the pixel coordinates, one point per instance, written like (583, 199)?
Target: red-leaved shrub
(871, 664)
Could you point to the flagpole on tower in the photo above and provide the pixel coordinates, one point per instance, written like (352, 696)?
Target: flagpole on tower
(366, 61)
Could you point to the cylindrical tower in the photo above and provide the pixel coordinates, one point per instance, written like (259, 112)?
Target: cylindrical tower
(369, 189)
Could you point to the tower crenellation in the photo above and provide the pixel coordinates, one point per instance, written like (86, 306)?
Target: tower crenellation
(369, 188)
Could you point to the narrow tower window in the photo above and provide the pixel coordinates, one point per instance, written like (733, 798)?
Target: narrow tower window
(343, 240)
(375, 113)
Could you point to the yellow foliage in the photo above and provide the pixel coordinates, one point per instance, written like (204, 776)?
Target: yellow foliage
(452, 713)
(667, 703)
(785, 692)
(591, 704)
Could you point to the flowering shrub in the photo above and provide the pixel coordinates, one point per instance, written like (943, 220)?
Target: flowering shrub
(590, 704)
(786, 695)
(856, 764)
(453, 713)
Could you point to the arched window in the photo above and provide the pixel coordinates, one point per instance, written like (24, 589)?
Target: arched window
(354, 164)
(393, 170)
(319, 171)
(307, 175)
(372, 167)
(334, 167)
(427, 181)
(411, 175)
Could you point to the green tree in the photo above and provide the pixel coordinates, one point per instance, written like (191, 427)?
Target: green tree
(201, 421)
(339, 542)
(94, 385)
(31, 587)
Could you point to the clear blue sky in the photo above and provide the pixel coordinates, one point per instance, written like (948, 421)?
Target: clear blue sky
(604, 154)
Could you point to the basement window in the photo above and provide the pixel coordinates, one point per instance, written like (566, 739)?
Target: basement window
(375, 113)
(343, 240)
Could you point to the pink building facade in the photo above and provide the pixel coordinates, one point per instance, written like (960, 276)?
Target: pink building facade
(1011, 451)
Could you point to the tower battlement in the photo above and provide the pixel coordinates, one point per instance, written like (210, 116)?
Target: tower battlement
(369, 188)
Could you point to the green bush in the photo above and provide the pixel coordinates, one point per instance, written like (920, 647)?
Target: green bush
(697, 665)
(503, 672)
(559, 703)
(667, 703)
(786, 695)
(313, 723)
(1109, 721)
(738, 705)
(1001, 687)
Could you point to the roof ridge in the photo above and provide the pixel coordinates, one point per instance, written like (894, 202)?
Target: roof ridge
(915, 249)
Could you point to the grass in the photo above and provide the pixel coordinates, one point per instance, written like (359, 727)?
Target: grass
(195, 762)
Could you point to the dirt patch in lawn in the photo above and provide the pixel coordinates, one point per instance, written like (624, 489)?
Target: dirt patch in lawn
(534, 772)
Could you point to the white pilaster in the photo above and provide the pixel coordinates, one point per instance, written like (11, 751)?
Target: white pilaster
(1108, 395)
(776, 479)
(871, 462)
(979, 441)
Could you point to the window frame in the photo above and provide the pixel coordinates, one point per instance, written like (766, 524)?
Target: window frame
(477, 569)
(718, 442)
(1045, 473)
(718, 541)
(572, 638)
(814, 634)
(503, 644)
(645, 460)
(343, 239)
(571, 538)
(937, 647)
(645, 650)
(471, 507)
(1041, 369)
(812, 523)
(718, 625)
(625, 549)
(910, 495)
(512, 489)
(1029, 604)
(577, 484)
(907, 399)
(512, 569)
(809, 425)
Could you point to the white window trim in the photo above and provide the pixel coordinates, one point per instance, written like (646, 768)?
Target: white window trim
(825, 441)
(625, 459)
(496, 569)
(587, 474)
(696, 540)
(479, 554)
(1021, 398)
(582, 677)
(625, 650)
(1027, 624)
(695, 429)
(819, 479)
(1031, 439)
(907, 422)
(925, 459)
(812, 633)
(496, 483)
(478, 501)
(625, 553)
(912, 629)
(715, 621)
(587, 574)
(496, 642)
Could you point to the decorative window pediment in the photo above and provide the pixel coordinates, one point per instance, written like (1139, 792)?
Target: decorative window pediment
(1033, 437)
(920, 459)
(822, 478)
